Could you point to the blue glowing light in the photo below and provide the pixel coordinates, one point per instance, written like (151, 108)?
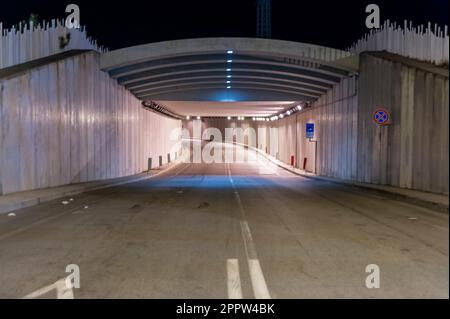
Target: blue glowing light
(229, 61)
(228, 76)
(228, 70)
(230, 51)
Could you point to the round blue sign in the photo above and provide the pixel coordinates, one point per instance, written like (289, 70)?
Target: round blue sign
(381, 117)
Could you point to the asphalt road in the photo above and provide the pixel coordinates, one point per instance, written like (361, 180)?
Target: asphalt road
(249, 230)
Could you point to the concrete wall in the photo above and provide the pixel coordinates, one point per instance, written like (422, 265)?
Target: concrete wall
(334, 116)
(413, 151)
(69, 122)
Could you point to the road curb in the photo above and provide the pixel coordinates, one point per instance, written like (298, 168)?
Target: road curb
(436, 206)
(26, 203)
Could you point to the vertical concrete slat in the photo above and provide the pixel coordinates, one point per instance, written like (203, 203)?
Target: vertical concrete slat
(407, 123)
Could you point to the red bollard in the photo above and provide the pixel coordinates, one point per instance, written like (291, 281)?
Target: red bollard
(292, 160)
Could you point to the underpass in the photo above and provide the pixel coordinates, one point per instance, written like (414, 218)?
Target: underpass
(239, 230)
(223, 167)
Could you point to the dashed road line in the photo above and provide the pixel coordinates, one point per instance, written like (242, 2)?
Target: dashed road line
(259, 285)
(234, 279)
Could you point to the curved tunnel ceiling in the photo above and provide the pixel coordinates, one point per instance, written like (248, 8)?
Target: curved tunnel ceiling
(228, 70)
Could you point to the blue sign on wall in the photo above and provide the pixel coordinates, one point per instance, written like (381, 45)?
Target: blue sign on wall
(381, 117)
(309, 130)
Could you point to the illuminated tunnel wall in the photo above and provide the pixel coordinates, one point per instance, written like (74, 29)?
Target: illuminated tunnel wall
(335, 118)
(410, 153)
(68, 122)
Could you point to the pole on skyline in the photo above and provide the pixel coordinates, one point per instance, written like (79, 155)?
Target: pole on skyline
(263, 19)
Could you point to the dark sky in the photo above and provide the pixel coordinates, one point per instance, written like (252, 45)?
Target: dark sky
(118, 24)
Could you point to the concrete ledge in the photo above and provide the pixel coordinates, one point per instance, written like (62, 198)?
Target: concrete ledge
(432, 201)
(16, 201)
(25, 66)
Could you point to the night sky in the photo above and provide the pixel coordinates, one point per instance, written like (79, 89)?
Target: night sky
(118, 24)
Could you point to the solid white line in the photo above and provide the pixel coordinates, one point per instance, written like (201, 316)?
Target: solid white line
(62, 292)
(40, 292)
(258, 282)
(234, 279)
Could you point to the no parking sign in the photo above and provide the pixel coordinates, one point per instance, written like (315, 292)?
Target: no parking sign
(381, 116)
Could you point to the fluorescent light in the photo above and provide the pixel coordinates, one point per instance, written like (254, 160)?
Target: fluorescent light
(230, 51)
(229, 117)
(281, 116)
(228, 82)
(228, 76)
(299, 107)
(229, 61)
(228, 87)
(228, 70)
(288, 112)
(198, 117)
(188, 117)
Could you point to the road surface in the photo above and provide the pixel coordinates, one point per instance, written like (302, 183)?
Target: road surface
(241, 230)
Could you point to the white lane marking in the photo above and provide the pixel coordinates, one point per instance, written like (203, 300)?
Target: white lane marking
(256, 275)
(62, 292)
(259, 285)
(258, 282)
(234, 279)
